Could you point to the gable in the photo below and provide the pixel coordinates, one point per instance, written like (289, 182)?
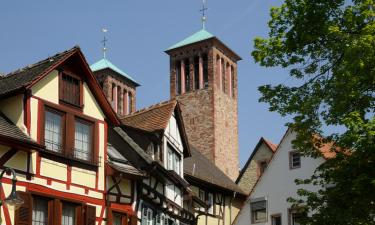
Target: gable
(173, 133)
(278, 172)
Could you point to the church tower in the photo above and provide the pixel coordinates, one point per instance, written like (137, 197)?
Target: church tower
(203, 77)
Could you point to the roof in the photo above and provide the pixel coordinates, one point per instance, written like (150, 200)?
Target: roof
(154, 118)
(271, 146)
(23, 79)
(20, 78)
(8, 130)
(118, 162)
(199, 167)
(196, 37)
(105, 63)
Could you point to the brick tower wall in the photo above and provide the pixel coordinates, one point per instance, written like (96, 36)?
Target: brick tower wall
(210, 116)
(226, 123)
(197, 105)
(108, 77)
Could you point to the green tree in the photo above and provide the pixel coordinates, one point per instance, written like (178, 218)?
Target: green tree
(329, 48)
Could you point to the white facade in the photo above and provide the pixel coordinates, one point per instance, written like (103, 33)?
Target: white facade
(276, 185)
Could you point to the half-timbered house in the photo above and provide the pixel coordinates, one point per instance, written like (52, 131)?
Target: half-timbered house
(154, 140)
(54, 119)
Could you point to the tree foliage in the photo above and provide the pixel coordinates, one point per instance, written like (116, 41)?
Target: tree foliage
(329, 48)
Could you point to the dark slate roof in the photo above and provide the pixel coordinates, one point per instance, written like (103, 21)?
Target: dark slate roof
(9, 130)
(20, 78)
(199, 167)
(118, 162)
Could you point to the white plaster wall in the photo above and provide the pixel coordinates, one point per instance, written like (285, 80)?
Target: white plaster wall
(277, 183)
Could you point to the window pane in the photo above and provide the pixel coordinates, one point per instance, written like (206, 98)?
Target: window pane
(68, 215)
(82, 141)
(40, 212)
(210, 203)
(116, 219)
(52, 131)
(276, 220)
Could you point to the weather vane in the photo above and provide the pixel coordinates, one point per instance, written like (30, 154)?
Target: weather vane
(203, 10)
(104, 30)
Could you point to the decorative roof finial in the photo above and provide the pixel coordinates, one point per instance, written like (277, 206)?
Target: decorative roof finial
(203, 10)
(104, 30)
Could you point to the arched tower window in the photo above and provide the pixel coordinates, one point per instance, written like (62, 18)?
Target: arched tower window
(187, 75)
(229, 79)
(232, 79)
(196, 72)
(223, 75)
(218, 71)
(205, 70)
(178, 77)
(119, 101)
(114, 97)
(130, 102)
(125, 102)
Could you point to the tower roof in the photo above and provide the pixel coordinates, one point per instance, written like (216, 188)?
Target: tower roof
(196, 37)
(199, 36)
(105, 63)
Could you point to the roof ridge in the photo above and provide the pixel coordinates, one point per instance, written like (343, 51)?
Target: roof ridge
(39, 62)
(148, 108)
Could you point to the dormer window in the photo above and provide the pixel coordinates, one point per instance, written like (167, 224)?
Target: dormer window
(70, 89)
(174, 159)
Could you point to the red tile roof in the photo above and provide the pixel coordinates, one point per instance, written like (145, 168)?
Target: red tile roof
(271, 145)
(151, 119)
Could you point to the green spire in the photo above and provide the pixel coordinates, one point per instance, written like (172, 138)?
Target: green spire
(197, 37)
(105, 63)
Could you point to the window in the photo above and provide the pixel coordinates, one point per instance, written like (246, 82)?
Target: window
(130, 102)
(83, 140)
(294, 160)
(120, 105)
(178, 77)
(258, 211)
(232, 80)
(174, 160)
(70, 89)
(53, 131)
(276, 219)
(196, 73)
(295, 217)
(119, 219)
(262, 167)
(205, 71)
(187, 75)
(223, 75)
(202, 196)
(147, 218)
(68, 215)
(210, 202)
(40, 212)
(70, 135)
(157, 154)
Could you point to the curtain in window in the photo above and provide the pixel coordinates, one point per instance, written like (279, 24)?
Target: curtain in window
(68, 215)
(82, 144)
(40, 212)
(52, 131)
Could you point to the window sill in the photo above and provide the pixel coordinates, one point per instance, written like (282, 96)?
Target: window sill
(62, 158)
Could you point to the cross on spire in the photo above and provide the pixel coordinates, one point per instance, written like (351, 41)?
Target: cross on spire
(203, 10)
(104, 41)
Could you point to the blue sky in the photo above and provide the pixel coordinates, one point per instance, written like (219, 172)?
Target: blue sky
(139, 32)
